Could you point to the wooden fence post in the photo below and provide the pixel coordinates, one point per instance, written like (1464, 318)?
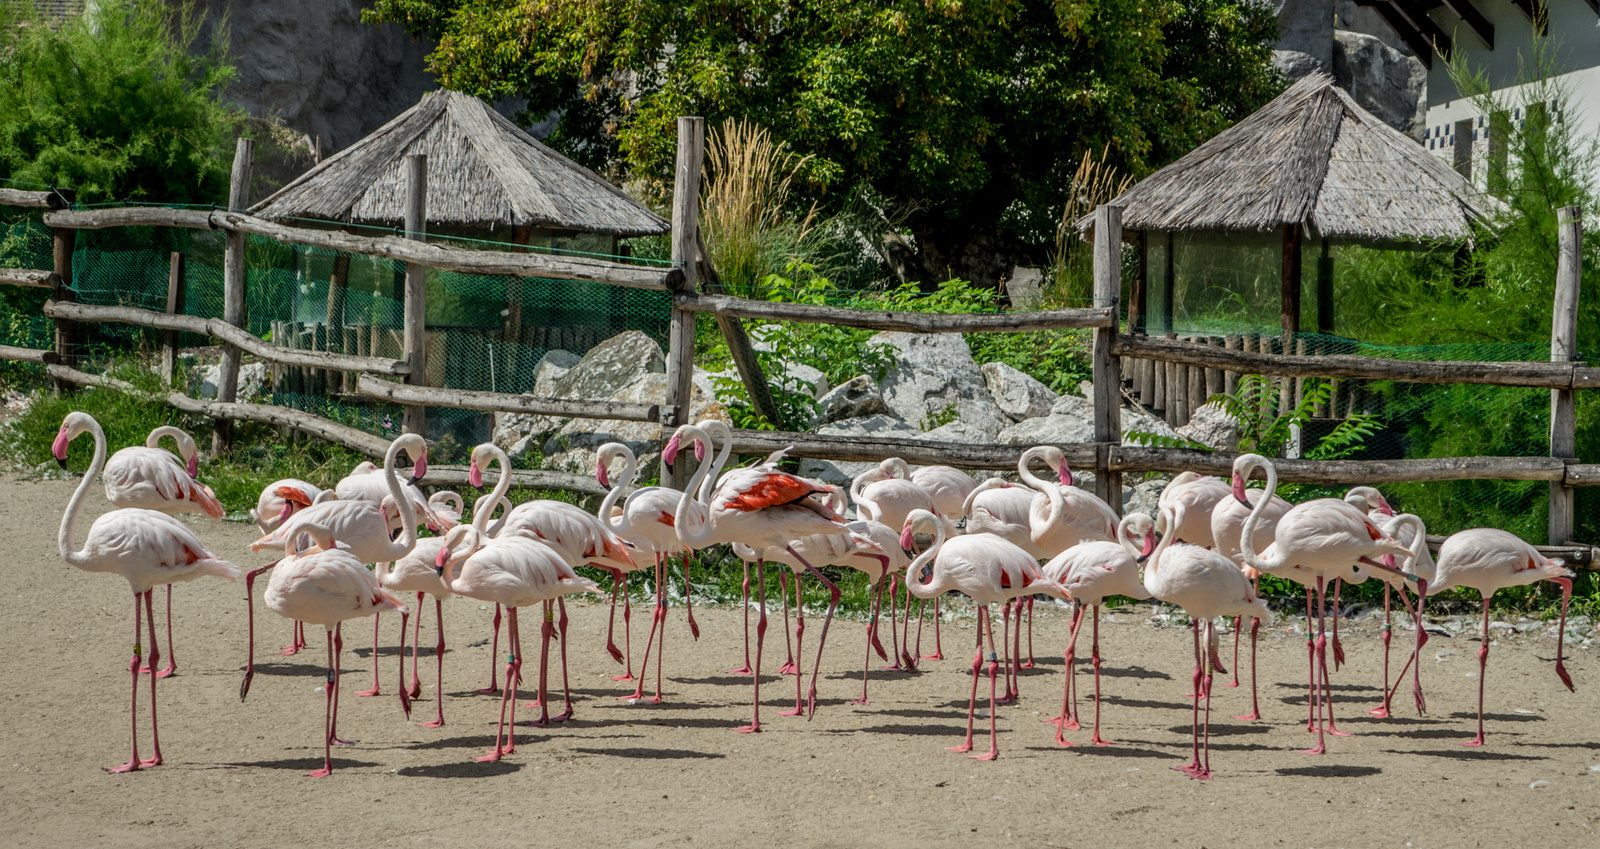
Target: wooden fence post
(414, 338)
(233, 287)
(1563, 348)
(169, 346)
(685, 248)
(1106, 370)
(63, 241)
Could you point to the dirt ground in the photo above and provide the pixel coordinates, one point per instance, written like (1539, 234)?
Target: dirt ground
(675, 774)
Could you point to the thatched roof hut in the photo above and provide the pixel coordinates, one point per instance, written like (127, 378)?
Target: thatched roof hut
(1312, 163)
(483, 173)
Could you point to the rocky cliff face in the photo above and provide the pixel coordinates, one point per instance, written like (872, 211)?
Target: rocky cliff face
(1363, 54)
(315, 65)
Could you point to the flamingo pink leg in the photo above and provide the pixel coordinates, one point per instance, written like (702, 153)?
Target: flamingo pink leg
(1338, 648)
(1483, 666)
(1009, 695)
(611, 620)
(1416, 651)
(977, 664)
(1204, 771)
(938, 642)
(1320, 693)
(1238, 625)
(250, 618)
(1029, 663)
(566, 689)
(657, 625)
(374, 690)
(799, 655)
(1070, 657)
(822, 639)
(994, 712)
(1193, 766)
(761, 638)
(438, 662)
(327, 715)
(297, 638)
(172, 657)
(415, 690)
(627, 631)
(1382, 710)
(134, 666)
(1255, 700)
(338, 675)
(507, 696)
(1311, 662)
(872, 636)
(894, 628)
(546, 630)
(494, 654)
(688, 601)
(1561, 635)
(745, 670)
(1094, 660)
(788, 667)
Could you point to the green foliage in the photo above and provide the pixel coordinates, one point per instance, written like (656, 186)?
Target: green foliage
(1161, 440)
(115, 102)
(967, 117)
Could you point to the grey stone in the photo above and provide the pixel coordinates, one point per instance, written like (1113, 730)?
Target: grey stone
(934, 377)
(1384, 81)
(878, 426)
(1305, 26)
(1294, 64)
(550, 368)
(1016, 393)
(598, 376)
(803, 378)
(855, 398)
(1212, 426)
(252, 381)
(1348, 15)
(1025, 288)
(1071, 420)
(572, 447)
(1144, 497)
(956, 431)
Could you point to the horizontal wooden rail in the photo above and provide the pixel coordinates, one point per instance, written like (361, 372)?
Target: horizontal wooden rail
(31, 277)
(40, 200)
(487, 262)
(464, 399)
(228, 333)
(866, 449)
(28, 355)
(1545, 375)
(898, 320)
(521, 478)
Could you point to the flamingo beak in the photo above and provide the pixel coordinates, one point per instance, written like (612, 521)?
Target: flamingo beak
(1064, 474)
(194, 467)
(420, 469)
(287, 511)
(906, 537)
(1238, 490)
(1388, 560)
(699, 450)
(601, 475)
(1383, 506)
(669, 453)
(475, 474)
(59, 447)
(440, 561)
(1149, 547)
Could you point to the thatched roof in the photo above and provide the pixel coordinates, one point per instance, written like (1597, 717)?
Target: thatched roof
(482, 170)
(1314, 157)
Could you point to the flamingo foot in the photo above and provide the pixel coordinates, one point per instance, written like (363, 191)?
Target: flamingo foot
(320, 773)
(1202, 775)
(752, 728)
(1249, 717)
(743, 670)
(616, 653)
(992, 754)
(1319, 749)
(416, 690)
(961, 749)
(289, 649)
(371, 692)
(171, 669)
(1101, 742)
(789, 669)
(340, 741)
(694, 628)
(626, 676)
(934, 656)
(797, 710)
(1187, 769)
(1379, 712)
(1062, 741)
(1028, 664)
(490, 757)
(1476, 741)
(435, 723)
(860, 701)
(1337, 733)
(130, 766)
(490, 690)
(562, 716)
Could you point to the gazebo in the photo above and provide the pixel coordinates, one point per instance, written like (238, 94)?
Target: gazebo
(1310, 165)
(487, 180)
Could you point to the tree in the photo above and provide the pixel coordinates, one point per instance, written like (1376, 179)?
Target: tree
(964, 117)
(113, 103)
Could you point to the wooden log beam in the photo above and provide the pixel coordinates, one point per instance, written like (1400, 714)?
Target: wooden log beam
(896, 320)
(31, 277)
(226, 332)
(38, 200)
(1346, 472)
(1543, 375)
(29, 355)
(496, 263)
(1583, 557)
(520, 479)
(866, 449)
(1582, 474)
(499, 402)
(1404, 28)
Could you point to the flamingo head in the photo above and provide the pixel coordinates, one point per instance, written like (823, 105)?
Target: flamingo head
(699, 450)
(193, 466)
(1238, 490)
(419, 468)
(459, 543)
(907, 537)
(1383, 506)
(1063, 473)
(475, 473)
(74, 424)
(601, 476)
(670, 453)
(1149, 546)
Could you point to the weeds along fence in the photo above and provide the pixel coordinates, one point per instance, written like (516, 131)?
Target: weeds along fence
(396, 367)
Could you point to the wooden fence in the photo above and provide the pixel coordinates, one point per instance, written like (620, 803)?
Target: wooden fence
(1179, 374)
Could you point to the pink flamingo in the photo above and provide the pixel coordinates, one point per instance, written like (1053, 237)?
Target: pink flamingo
(512, 571)
(325, 585)
(151, 478)
(1324, 538)
(364, 529)
(987, 569)
(1227, 532)
(1060, 516)
(1091, 572)
(1371, 502)
(1199, 495)
(278, 501)
(1408, 530)
(949, 487)
(367, 483)
(1488, 559)
(146, 547)
(1206, 585)
(763, 508)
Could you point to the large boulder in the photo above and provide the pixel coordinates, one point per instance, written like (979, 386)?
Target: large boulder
(1384, 81)
(1016, 393)
(1213, 427)
(1143, 498)
(1071, 420)
(599, 375)
(253, 379)
(857, 397)
(552, 367)
(877, 427)
(574, 445)
(935, 381)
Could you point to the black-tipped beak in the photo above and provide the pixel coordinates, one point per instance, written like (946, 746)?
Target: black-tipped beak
(1141, 558)
(1245, 502)
(62, 462)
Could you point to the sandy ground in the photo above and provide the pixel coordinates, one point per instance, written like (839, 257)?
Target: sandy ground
(675, 774)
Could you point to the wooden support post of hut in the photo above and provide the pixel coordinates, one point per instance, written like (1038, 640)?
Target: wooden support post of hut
(1325, 290)
(1230, 379)
(233, 287)
(1564, 348)
(338, 285)
(1106, 373)
(685, 246)
(414, 335)
(169, 342)
(62, 244)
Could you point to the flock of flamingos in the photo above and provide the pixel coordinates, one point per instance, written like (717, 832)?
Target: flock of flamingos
(1203, 553)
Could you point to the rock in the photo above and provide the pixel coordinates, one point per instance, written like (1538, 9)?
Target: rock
(1213, 427)
(1384, 81)
(1304, 26)
(879, 426)
(1143, 498)
(572, 448)
(1025, 288)
(1352, 16)
(806, 380)
(1294, 64)
(1071, 419)
(598, 376)
(857, 397)
(1016, 393)
(956, 431)
(935, 380)
(550, 368)
(252, 381)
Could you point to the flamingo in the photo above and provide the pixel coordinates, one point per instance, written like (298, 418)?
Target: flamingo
(1091, 572)
(278, 501)
(1206, 585)
(1060, 516)
(362, 528)
(763, 508)
(1227, 531)
(512, 571)
(1408, 530)
(147, 548)
(448, 506)
(886, 494)
(949, 487)
(1370, 501)
(987, 569)
(1488, 559)
(1199, 496)
(367, 483)
(1321, 539)
(326, 585)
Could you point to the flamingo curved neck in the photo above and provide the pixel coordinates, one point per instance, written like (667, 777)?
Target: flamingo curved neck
(69, 520)
(934, 587)
(482, 509)
(186, 446)
(690, 532)
(991, 483)
(715, 430)
(408, 512)
(1052, 492)
(1247, 547)
(1173, 513)
(1122, 537)
(630, 469)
